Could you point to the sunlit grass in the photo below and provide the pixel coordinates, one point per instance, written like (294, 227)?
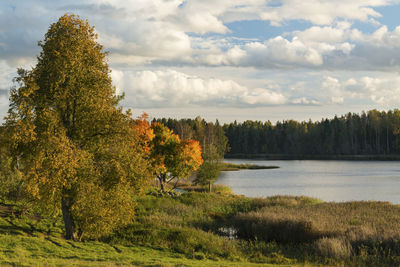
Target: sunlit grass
(217, 229)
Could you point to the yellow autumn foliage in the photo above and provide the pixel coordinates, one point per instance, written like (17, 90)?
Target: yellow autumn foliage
(77, 152)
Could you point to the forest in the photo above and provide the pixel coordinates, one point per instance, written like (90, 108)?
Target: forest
(372, 132)
(369, 133)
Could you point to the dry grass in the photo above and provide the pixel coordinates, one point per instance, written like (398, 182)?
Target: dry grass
(338, 248)
(365, 231)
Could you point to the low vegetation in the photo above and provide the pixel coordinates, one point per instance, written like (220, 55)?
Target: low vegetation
(196, 228)
(358, 233)
(26, 242)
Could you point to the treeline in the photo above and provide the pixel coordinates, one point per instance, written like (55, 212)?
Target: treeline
(368, 133)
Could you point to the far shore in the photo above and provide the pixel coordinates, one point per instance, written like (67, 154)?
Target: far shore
(227, 166)
(382, 157)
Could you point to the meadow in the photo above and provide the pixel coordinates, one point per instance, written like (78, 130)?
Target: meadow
(214, 229)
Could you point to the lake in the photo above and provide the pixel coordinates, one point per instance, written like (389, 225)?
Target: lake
(326, 180)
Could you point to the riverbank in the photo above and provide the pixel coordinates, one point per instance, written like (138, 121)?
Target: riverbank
(314, 157)
(227, 166)
(216, 229)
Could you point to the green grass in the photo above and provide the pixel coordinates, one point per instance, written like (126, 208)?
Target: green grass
(51, 251)
(217, 229)
(28, 251)
(28, 240)
(198, 223)
(216, 188)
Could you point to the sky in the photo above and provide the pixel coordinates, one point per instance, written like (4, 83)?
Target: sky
(227, 60)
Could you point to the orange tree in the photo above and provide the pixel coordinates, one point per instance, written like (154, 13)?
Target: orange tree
(170, 157)
(74, 147)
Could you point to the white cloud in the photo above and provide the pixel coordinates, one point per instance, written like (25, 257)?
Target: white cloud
(171, 88)
(322, 12)
(178, 34)
(303, 50)
(260, 96)
(279, 50)
(3, 106)
(384, 91)
(304, 101)
(337, 100)
(327, 34)
(382, 37)
(333, 88)
(161, 32)
(5, 85)
(8, 73)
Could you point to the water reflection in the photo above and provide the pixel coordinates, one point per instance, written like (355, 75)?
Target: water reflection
(326, 180)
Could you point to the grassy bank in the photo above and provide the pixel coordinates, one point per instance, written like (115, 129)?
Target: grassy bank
(216, 229)
(236, 167)
(27, 239)
(52, 251)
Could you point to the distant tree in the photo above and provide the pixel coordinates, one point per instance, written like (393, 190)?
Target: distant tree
(209, 171)
(76, 150)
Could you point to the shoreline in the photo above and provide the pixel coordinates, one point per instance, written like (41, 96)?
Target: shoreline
(227, 166)
(314, 157)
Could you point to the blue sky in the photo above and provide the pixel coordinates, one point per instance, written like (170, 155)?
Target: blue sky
(232, 60)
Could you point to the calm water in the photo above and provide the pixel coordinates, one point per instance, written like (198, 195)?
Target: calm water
(326, 180)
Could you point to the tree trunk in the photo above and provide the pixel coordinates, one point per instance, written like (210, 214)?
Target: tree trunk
(161, 178)
(70, 229)
(210, 187)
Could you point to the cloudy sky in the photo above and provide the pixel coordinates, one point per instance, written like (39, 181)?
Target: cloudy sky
(242, 59)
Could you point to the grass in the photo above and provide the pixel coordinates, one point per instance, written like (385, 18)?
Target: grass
(29, 240)
(236, 167)
(45, 251)
(217, 229)
(355, 221)
(216, 188)
(357, 233)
